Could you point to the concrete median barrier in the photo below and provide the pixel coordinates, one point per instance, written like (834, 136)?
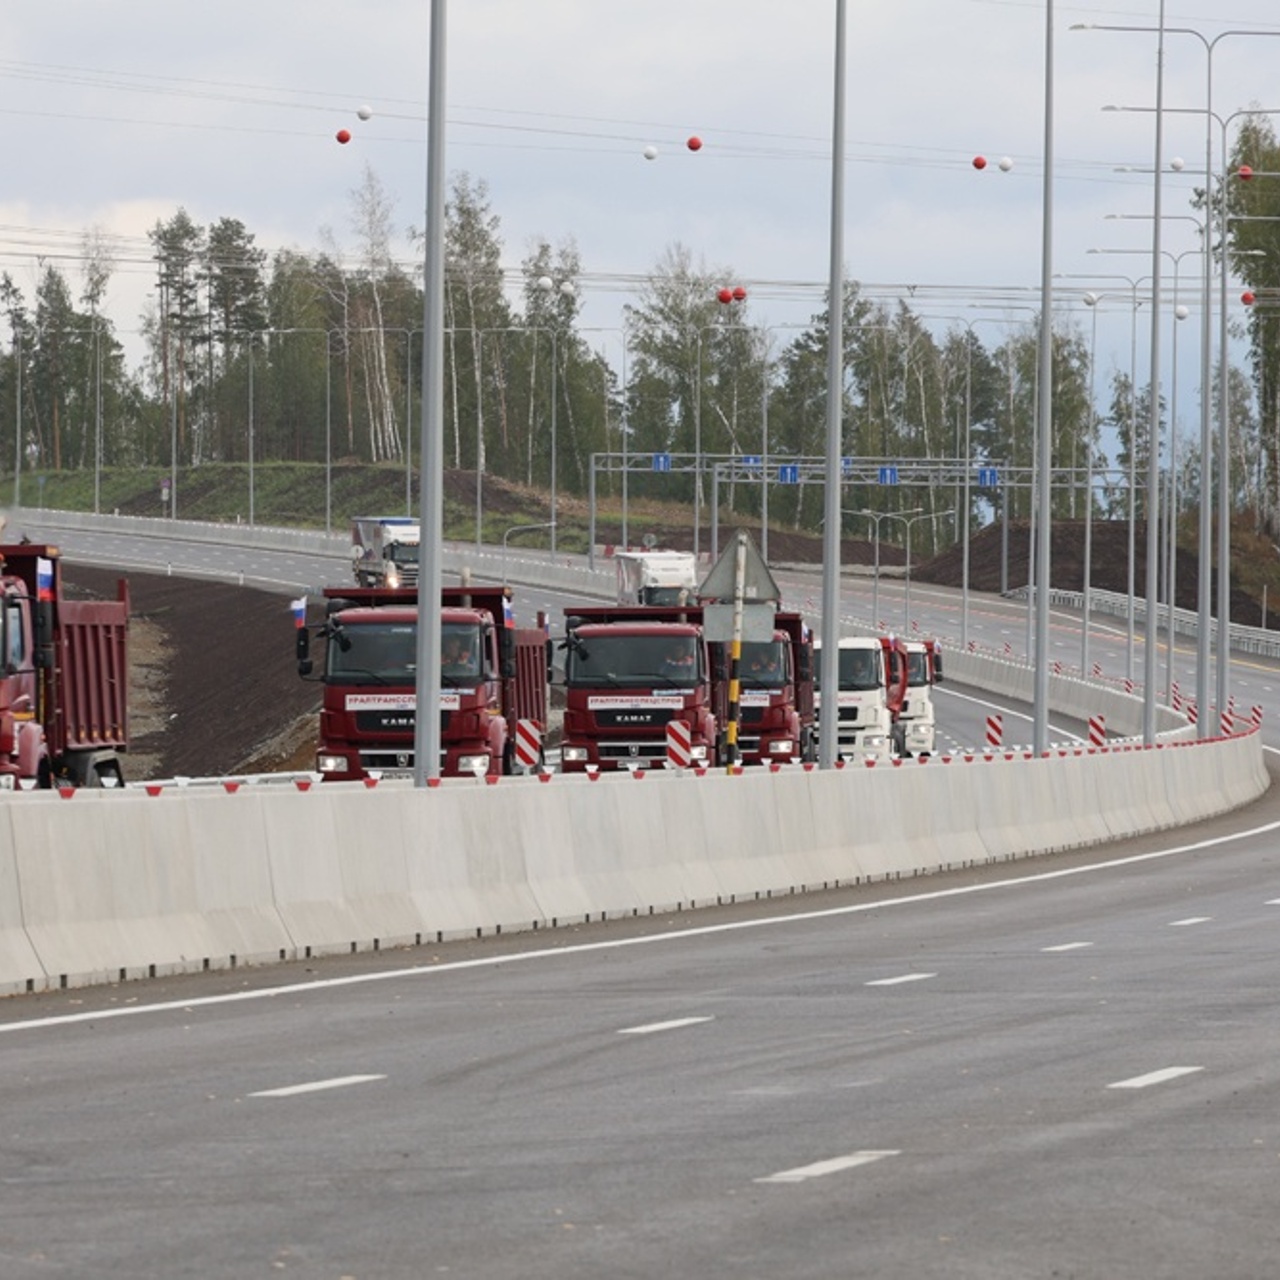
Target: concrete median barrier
(122, 884)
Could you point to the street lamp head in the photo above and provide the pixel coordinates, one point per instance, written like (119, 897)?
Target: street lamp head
(1091, 299)
(1181, 312)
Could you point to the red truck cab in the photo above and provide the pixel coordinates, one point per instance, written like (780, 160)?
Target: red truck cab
(776, 720)
(628, 673)
(490, 676)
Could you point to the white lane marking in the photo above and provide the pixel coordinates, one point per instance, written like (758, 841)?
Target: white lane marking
(1154, 1077)
(1273, 902)
(1007, 710)
(673, 1025)
(1179, 924)
(823, 1167)
(616, 944)
(314, 1086)
(1068, 946)
(903, 977)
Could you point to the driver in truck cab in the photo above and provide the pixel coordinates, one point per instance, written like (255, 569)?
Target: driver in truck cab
(456, 656)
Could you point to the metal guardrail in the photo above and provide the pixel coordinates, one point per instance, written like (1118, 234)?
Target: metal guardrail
(1186, 622)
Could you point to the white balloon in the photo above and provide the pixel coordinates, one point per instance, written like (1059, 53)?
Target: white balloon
(1006, 163)
(1176, 164)
(1181, 312)
(651, 152)
(365, 112)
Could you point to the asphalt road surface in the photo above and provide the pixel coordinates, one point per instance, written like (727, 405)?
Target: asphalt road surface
(1046, 1069)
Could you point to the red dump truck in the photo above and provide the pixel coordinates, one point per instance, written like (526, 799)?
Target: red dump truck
(631, 670)
(491, 676)
(65, 677)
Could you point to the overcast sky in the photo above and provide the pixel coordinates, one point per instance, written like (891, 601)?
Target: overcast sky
(117, 114)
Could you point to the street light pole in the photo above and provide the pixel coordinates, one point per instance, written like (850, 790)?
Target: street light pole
(875, 517)
(830, 669)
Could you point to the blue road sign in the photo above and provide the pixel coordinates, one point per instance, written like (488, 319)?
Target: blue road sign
(750, 459)
(789, 473)
(662, 462)
(888, 475)
(989, 477)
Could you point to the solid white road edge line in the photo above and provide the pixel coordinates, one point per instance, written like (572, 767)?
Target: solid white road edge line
(616, 944)
(901, 978)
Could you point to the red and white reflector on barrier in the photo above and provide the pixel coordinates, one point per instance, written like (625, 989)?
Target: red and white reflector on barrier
(1097, 730)
(1128, 685)
(679, 745)
(995, 730)
(1097, 671)
(1226, 724)
(1255, 716)
(528, 743)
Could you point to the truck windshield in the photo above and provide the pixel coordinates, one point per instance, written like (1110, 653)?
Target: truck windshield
(634, 661)
(665, 595)
(917, 670)
(373, 653)
(403, 552)
(859, 669)
(763, 664)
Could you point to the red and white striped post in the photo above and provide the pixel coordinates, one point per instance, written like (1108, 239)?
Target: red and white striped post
(995, 730)
(1255, 716)
(528, 743)
(1097, 730)
(679, 745)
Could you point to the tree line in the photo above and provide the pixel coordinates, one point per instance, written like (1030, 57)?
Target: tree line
(308, 357)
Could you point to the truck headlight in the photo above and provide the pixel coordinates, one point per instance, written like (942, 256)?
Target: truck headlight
(782, 747)
(474, 764)
(874, 742)
(574, 755)
(698, 752)
(331, 764)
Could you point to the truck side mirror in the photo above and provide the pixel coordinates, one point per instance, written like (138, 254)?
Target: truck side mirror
(44, 634)
(507, 652)
(302, 651)
(937, 666)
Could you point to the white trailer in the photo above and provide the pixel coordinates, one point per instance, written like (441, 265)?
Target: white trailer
(384, 551)
(656, 577)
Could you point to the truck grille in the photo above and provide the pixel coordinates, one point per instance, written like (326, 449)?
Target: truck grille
(640, 717)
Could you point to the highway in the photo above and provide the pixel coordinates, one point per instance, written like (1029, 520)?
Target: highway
(1048, 1069)
(1059, 1067)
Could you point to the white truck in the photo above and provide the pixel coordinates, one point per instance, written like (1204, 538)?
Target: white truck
(656, 577)
(384, 551)
(864, 725)
(916, 720)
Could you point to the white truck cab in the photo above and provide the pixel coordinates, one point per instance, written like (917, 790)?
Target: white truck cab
(917, 723)
(864, 729)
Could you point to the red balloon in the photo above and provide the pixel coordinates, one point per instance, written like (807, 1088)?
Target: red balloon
(725, 295)
(1244, 173)
(694, 143)
(739, 294)
(979, 162)
(343, 136)
(1248, 298)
